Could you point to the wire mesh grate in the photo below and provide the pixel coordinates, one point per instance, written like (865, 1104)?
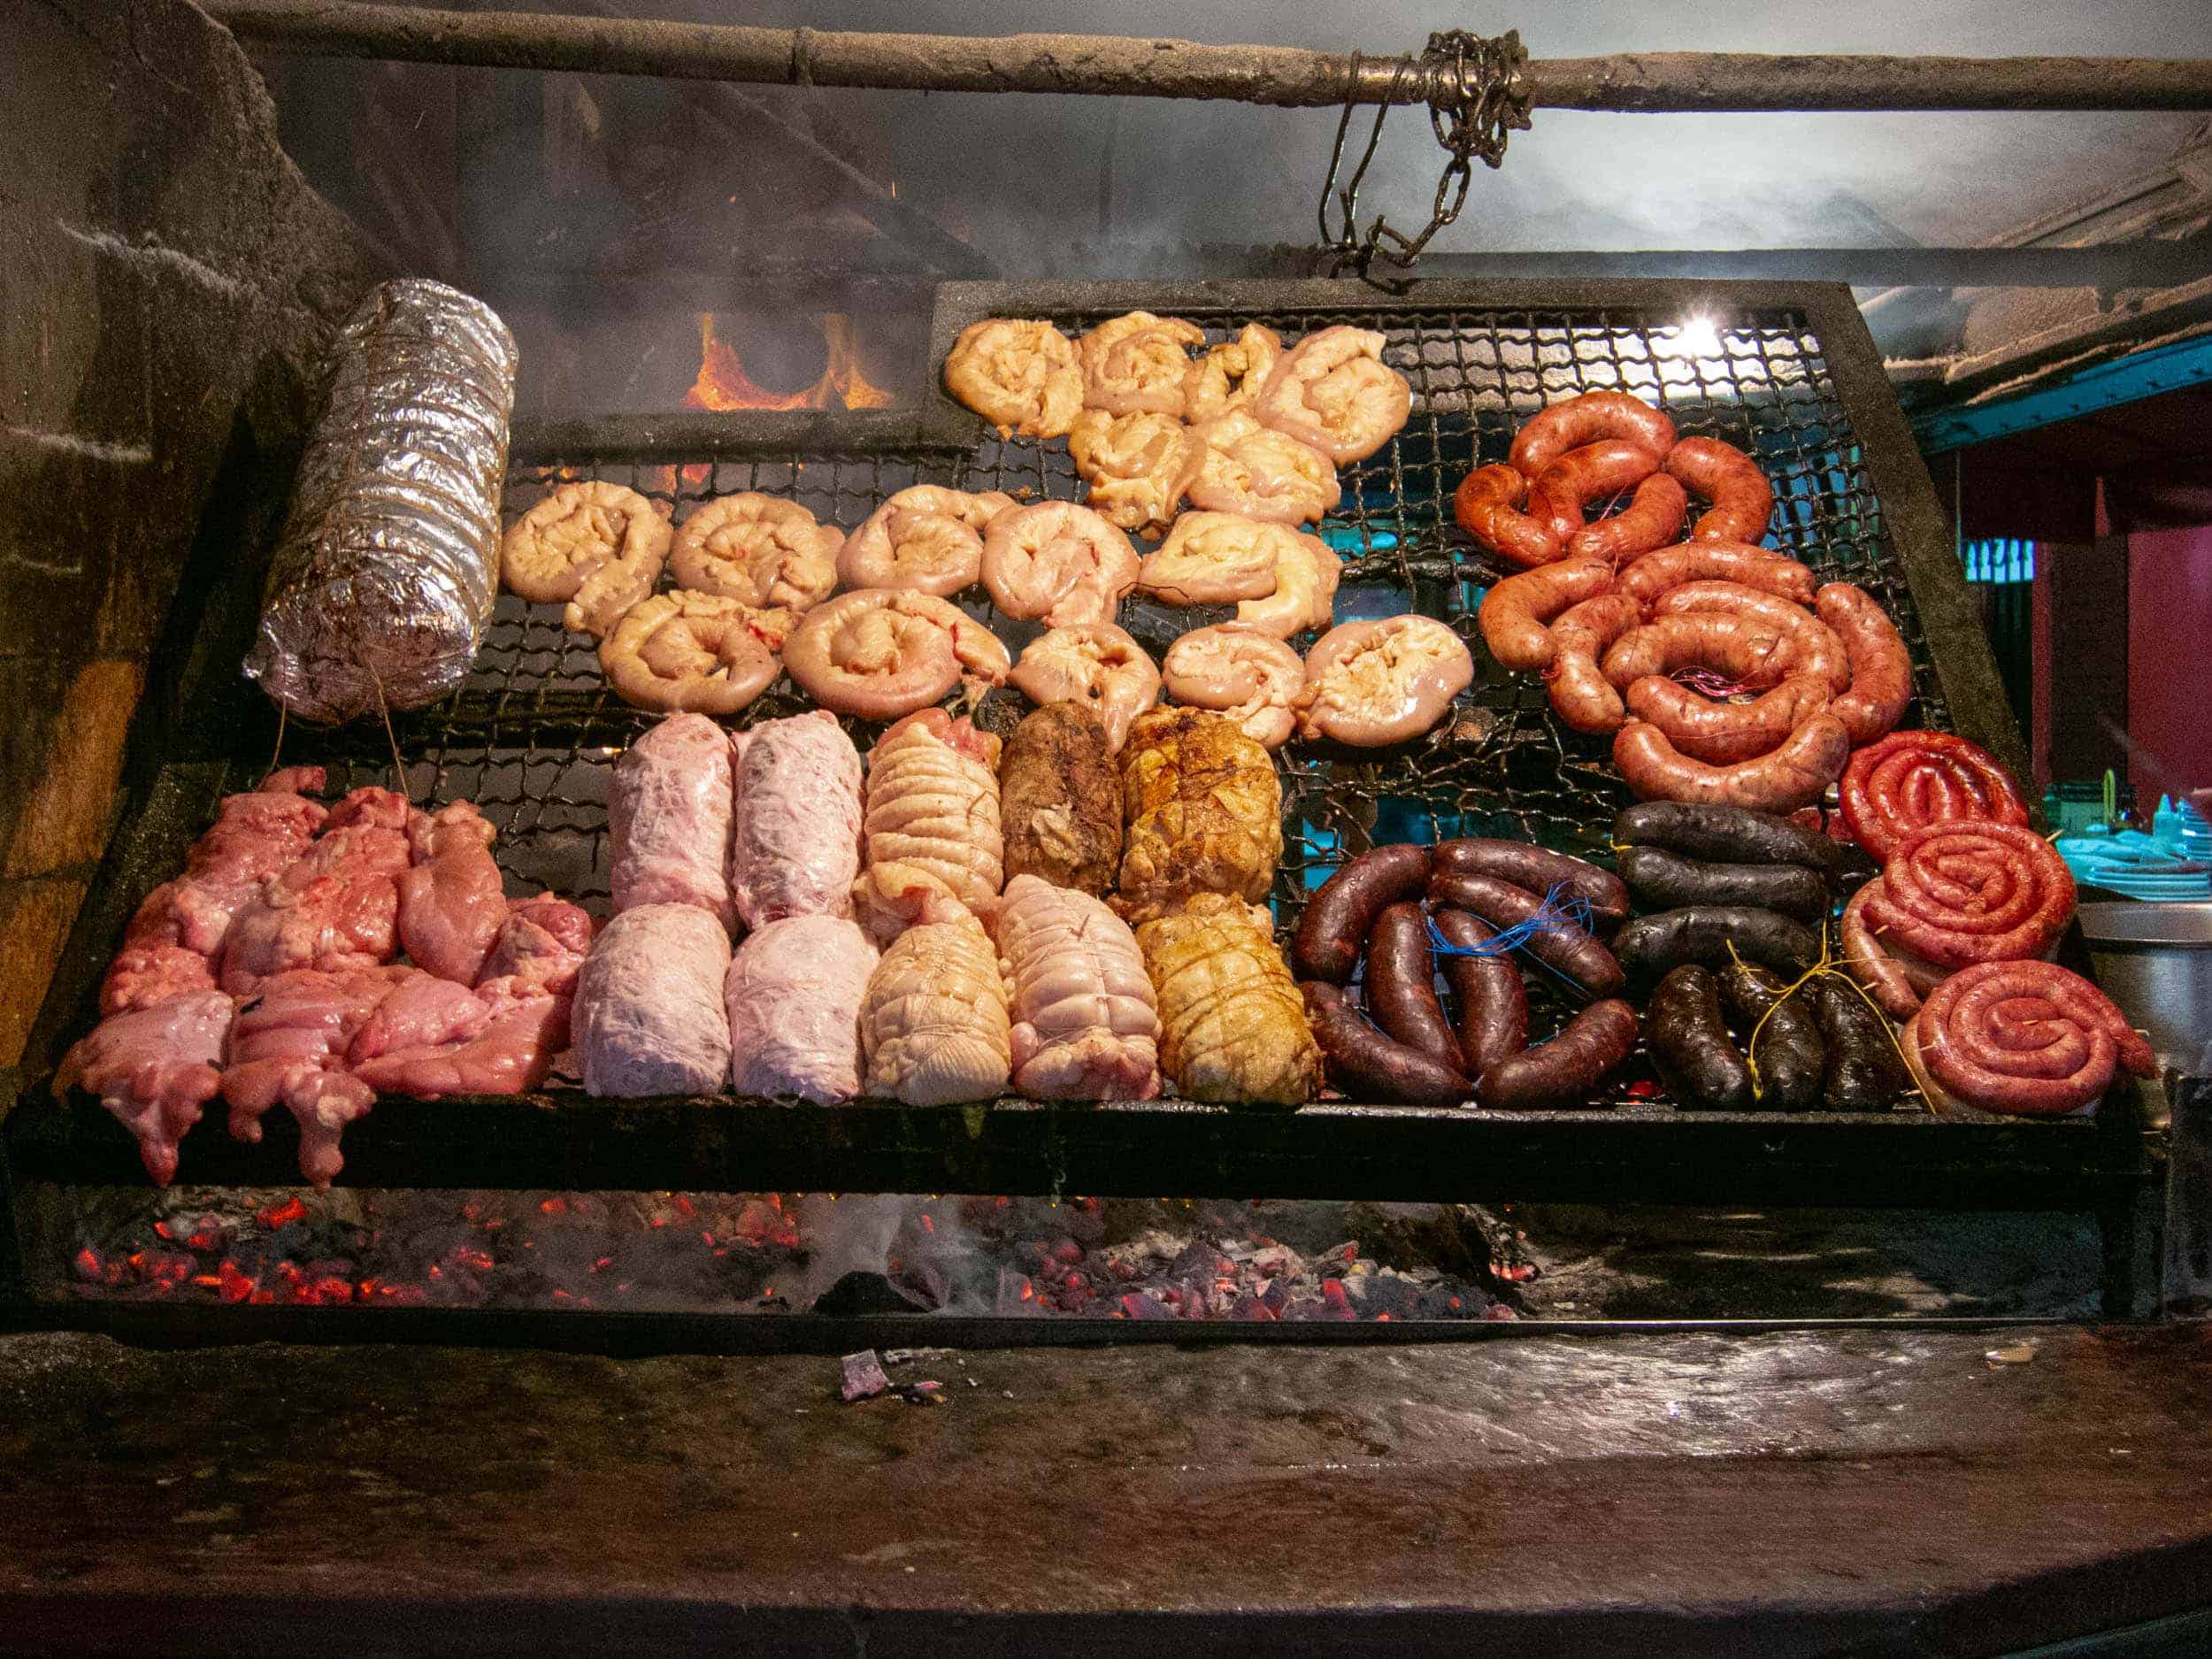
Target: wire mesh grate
(532, 735)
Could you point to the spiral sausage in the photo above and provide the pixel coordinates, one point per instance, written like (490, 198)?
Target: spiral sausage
(1568, 425)
(1896, 979)
(1515, 611)
(1594, 473)
(1717, 561)
(1881, 669)
(1580, 694)
(1652, 518)
(1793, 776)
(2025, 1037)
(1539, 870)
(1817, 649)
(1726, 733)
(1742, 499)
(1492, 504)
(1910, 780)
(1959, 893)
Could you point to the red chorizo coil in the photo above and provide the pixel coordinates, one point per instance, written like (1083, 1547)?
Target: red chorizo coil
(1594, 473)
(1580, 694)
(1959, 893)
(1791, 776)
(1814, 644)
(1718, 561)
(1742, 500)
(1490, 505)
(1725, 734)
(2025, 1037)
(1910, 780)
(1894, 978)
(1881, 668)
(1575, 421)
(1514, 612)
(1652, 518)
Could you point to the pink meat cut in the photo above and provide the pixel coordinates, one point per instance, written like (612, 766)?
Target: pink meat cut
(289, 1048)
(793, 994)
(173, 943)
(796, 847)
(668, 818)
(335, 907)
(649, 1017)
(453, 902)
(154, 1068)
(543, 943)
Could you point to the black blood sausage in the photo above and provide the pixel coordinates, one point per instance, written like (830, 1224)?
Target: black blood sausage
(1564, 948)
(1704, 933)
(1365, 1064)
(1538, 868)
(1491, 1001)
(1726, 834)
(1791, 1057)
(1865, 1073)
(1689, 1035)
(1401, 984)
(1342, 911)
(1666, 881)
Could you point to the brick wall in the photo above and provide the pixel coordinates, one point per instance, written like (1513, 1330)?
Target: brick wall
(166, 280)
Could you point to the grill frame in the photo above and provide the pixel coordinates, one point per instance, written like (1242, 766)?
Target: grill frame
(558, 1140)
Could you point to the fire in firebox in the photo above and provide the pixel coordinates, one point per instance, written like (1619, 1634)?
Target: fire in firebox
(723, 382)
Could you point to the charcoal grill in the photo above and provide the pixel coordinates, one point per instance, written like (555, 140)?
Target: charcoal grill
(532, 735)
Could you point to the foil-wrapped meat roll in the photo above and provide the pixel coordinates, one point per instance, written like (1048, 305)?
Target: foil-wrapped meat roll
(389, 561)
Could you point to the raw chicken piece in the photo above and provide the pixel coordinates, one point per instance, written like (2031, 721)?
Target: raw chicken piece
(336, 907)
(289, 1047)
(172, 944)
(452, 903)
(1084, 1022)
(934, 1025)
(796, 847)
(932, 828)
(1205, 812)
(668, 818)
(1060, 799)
(648, 1017)
(542, 944)
(153, 1068)
(794, 994)
(1233, 1026)
(501, 1039)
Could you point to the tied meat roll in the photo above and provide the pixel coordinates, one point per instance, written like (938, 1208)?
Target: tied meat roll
(648, 1017)
(1204, 810)
(668, 819)
(796, 846)
(930, 832)
(1060, 800)
(1086, 1026)
(1232, 1025)
(933, 1024)
(793, 994)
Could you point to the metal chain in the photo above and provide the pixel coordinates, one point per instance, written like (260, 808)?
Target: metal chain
(1478, 93)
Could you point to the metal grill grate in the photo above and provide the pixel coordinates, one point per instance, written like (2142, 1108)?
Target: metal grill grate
(533, 734)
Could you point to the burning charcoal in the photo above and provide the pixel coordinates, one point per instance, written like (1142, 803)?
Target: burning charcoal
(1387, 1296)
(1201, 1262)
(1251, 1307)
(861, 1292)
(1141, 1305)
(863, 1376)
(923, 1283)
(1016, 1294)
(1305, 1309)
(1276, 1294)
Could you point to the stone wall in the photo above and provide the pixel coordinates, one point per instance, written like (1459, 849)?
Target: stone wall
(166, 280)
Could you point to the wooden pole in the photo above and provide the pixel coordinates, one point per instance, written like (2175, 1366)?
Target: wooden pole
(1131, 67)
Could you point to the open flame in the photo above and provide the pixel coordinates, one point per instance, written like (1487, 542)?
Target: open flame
(724, 384)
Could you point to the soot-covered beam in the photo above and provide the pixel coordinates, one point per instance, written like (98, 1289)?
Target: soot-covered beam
(1130, 67)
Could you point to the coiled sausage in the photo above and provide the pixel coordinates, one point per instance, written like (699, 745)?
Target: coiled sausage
(1341, 911)
(1487, 992)
(1742, 499)
(1569, 1066)
(1717, 561)
(1594, 473)
(1492, 504)
(1514, 612)
(1793, 776)
(1881, 668)
(1580, 694)
(1401, 984)
(1725, 734)
(1571, 951)
(1575, 421)
(1364, 1063)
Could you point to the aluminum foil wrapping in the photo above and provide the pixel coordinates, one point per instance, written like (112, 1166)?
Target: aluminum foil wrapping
(389, 561)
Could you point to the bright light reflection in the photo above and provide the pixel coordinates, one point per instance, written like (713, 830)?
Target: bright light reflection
(1694, 337)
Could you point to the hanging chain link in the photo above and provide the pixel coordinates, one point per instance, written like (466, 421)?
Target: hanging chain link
(1477, 94)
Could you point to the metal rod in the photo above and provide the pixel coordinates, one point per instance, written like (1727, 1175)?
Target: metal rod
(2152, 263)
(1130, 67)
